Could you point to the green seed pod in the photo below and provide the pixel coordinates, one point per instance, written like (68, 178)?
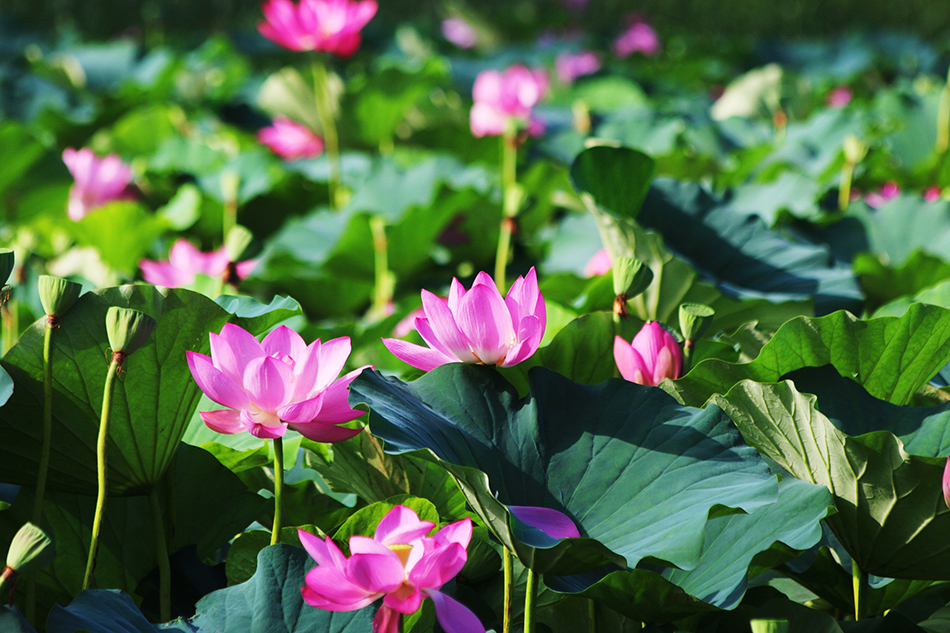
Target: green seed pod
(7, 262)
(128, 329)
(631, 277)
(770, 626)
(237, 243)
(58, 295)
(30, 550)
(694, 320)
(854, 149)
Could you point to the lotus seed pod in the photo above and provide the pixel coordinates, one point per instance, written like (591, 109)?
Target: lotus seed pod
(128, 329)
(694, 320)
(854, 149)
(58, 295)
(7, 262)
(237, 243)
(631, 277)
(30, 550)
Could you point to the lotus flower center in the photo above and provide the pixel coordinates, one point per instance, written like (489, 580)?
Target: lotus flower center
(284, 358)
(402, 551)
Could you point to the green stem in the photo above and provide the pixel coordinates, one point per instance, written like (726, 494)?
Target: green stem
(531, 592)
(383, 292)
(321, 91)
(161, 553)
(101, 455)
(943, 119)
(510, 202)
(278, 488)
(592, 616)
(861, 589)
(506, 618)
(844, 191)
(230, 189)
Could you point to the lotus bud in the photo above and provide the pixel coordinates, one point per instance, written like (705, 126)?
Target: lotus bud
(631, 277)
(128, 330)
(57, 296)
(30, 550)
(237, 242)
(946, 483)
(7, 262)
(694, 321)
(854, 149)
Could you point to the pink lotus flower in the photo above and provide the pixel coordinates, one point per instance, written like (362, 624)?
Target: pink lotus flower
(331, 26)
(840, 97)
(599, 264)
(653, 356)
(477, 326)
(291, 140)
(185, 262)
(459, 32)
(933, 194)
(503, 99)
(946, 483)
(888, 191)
(400, 564)
(278, 383)
(553, 523)
(638, 38)
(570, 66)
(97, 181)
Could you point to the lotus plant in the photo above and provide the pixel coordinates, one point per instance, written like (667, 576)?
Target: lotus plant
(639, 37)
(291, 140)
(97, 181)
(185, 262)
(570, 66)
(477, 325)
(946, 483)
(653, 355)
(400, 564)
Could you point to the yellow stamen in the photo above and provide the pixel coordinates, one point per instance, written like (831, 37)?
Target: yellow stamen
(402, 551)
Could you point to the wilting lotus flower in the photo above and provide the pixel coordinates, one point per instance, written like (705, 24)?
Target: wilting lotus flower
(291, 140)
(331, 26)
(507, 98)
(399, 564)
(653, 356)
(97, 181)
(570, 66)
(888, 191)
(185, 262)
(459, 32)
(840, 97)
(946, 483)
(599, 264)
(932, 194)
(278, 383)
(477, 326)
(638, 38)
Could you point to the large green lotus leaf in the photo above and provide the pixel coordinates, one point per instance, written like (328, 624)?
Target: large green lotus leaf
(891, 357)
(104, 611)
(258, 317)
(883, 283)
(790, 192)
(814, 146)
(155, 395)
(742, 254)
(122, 232)
(617, 178)
(891, 514)
(938, 295)
(20, 149)
(270, 602)
(12, 621)
(629, 466)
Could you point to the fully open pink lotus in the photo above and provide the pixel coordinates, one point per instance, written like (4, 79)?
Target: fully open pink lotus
(278, 383)
(400, 564)
(506, 99)
(185, 262)
(291, 140)
(331, 26)
(477, 326)
(97, 180)
(653, 355)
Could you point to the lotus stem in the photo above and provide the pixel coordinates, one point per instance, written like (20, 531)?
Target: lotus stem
(383, 292)
(861, 590)
(230, 190)
(531, 593)
(943, 119)
(278, 488)
(510, 201)
(8, 575)
(592, 616)
(101, 457)
(506, 618)
(161, 554)
(321, 93)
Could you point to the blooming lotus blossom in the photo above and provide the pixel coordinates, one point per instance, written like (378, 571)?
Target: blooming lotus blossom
(946, 483)
(933, 194)
(185, 263)
(331, 26)
(278, 383)
(638, 38)
(570, 66)
(400, 564)
(888, 191)
(459, 32)
(599, 264)
(477, 326)
(553, 523)
(97, 181)
(653, 355)
(291, 140)
(840, 97)
(505, 99)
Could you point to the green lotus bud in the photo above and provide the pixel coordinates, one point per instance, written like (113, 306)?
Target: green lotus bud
(30, 550)
(694, 320)
(57, 295)
(631, 277)
(128, 329)
(237, 243)
(854, 149)
(770, 626)
(7, 262)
